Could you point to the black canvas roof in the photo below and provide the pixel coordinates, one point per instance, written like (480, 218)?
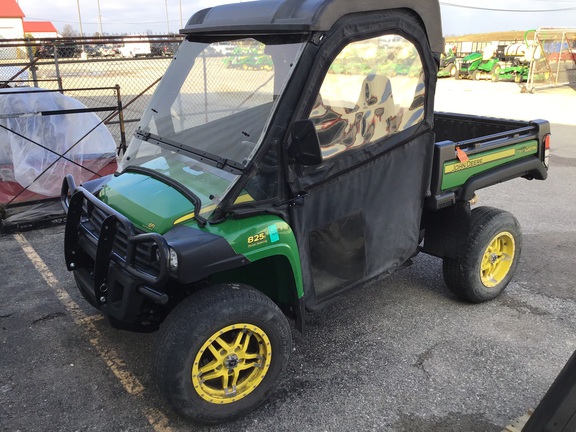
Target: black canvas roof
(293, 16)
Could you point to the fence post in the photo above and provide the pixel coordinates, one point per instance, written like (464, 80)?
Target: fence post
(33, 68)
(57, 67)
(204, 73)
(122, 146)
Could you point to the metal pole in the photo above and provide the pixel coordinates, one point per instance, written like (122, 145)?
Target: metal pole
(167, 22)
(99, 19)
(205, 86)
(57, 67)
(79, 17)
(122, 146)
(181, 14)
(33, 67)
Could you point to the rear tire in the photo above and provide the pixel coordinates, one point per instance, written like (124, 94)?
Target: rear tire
(489, 259)
(221, 352)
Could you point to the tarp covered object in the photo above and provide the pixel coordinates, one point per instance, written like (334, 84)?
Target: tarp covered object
(34, 148)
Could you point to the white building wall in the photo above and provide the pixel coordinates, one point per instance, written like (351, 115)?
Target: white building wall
(11, 28)
(41, 35)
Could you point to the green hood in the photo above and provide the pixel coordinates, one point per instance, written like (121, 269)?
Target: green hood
(472, 57)
(150, 204)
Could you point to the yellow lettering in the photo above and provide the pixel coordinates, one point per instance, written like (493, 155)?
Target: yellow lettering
(257, 239)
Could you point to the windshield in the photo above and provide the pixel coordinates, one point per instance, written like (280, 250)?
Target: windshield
(210, 110)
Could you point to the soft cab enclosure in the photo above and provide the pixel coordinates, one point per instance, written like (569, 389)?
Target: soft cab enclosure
(367, 193)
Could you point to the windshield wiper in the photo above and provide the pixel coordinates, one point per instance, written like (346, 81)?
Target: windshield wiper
(199, 155)
(187, 193)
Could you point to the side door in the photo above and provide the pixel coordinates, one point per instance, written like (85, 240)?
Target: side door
(371, 108)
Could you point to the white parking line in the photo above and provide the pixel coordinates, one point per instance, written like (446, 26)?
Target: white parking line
(131, 384)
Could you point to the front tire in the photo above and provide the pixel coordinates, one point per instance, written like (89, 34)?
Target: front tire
(221, 352)
(489, 259)
(496, 72)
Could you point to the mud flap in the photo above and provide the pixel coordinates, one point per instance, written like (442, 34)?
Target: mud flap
(447, 230)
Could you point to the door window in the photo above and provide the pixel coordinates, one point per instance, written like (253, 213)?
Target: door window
(374, 88)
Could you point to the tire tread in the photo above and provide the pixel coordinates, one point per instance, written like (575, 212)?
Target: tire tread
(456, 271)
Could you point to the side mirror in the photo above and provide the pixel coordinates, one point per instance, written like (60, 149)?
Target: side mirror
(303, 143)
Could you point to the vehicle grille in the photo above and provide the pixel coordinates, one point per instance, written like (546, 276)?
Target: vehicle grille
(145, 257)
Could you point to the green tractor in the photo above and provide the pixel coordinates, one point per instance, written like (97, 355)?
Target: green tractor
(469, 65)
(448, 66)
(479, 65)
(518, 73)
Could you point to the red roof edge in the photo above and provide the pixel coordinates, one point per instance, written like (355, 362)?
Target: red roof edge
(10, 9)
(39, 27)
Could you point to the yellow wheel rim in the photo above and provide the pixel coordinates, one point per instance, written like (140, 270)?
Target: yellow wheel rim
(497, 260)
(231, 363)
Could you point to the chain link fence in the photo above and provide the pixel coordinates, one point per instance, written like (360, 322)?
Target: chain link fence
(99, 72)
(45, 134)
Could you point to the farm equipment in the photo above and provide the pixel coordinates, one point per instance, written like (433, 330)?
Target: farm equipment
(480, 65)
(448, 66)
(517, 57)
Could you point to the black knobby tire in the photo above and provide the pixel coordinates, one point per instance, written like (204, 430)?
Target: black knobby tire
(489, 259)
(242, 317)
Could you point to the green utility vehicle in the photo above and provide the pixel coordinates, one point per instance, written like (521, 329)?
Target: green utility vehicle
(249, 196)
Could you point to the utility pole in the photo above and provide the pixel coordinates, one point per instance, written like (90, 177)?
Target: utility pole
(99, 19)
(79, 18)
(167, 21)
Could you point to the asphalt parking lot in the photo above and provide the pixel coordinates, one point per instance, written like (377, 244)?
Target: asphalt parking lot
(402, 355)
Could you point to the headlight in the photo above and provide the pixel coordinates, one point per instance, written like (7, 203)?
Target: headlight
(173, 260)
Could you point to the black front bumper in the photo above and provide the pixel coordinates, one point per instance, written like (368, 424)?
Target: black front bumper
(118, 270)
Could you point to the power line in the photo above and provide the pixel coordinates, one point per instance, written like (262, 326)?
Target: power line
(507, 10)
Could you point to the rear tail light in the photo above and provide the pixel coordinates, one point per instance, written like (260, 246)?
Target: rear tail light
(547, 150)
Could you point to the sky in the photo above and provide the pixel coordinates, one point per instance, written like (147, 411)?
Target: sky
(163, 16)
